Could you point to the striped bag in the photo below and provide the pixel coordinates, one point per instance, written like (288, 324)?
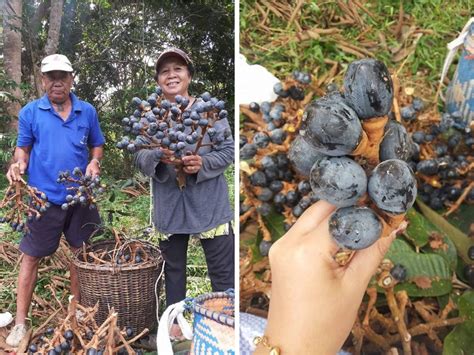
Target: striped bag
(460, 93)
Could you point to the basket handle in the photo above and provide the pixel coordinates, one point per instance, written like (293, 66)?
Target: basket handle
(175, 311)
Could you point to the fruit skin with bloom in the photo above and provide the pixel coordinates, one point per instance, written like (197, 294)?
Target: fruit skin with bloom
(368, 88)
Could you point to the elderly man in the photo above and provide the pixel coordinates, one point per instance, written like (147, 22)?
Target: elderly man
(56, 132)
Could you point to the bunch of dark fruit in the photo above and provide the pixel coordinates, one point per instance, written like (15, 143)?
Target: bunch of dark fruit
(85, 189)
(23, 202)
(158, 123)
(349, 154)
(267, 180)
(444, 161)
(83, 336)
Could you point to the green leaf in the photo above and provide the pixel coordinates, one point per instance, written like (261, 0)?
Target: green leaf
(419, 228)
(450, 254)
(275, 224)
(460, 240)
(466, 305)
(112, 196)
(418, 264)
(460, 341)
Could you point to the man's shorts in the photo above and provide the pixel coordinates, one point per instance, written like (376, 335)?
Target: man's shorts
(77, 223)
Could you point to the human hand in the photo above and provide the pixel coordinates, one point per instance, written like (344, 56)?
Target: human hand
(162, 154)
(15, 171)
(93, 168)
(192, 163)
(314, 301)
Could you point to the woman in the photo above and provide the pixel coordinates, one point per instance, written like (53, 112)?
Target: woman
(202, 207)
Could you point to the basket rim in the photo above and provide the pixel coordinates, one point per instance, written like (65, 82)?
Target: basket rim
(114, 267)
(219, 317)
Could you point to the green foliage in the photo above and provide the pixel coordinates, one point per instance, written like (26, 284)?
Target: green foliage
(430, 265)
(6, 87)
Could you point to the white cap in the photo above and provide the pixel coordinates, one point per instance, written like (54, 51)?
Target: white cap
(56, 62)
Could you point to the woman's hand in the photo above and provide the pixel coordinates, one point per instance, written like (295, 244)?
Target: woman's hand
(192, 163)
(314, 301)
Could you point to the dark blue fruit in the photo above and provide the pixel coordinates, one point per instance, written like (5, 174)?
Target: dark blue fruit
(264, 247)
(418, 137)
(392, 186)
(248, 151)
(469, 274)
(408, 113)
(302, 155)
(470, 252)
(355, 228)
(261, 139)
(254, 107)
(396, 143)
(264, 209)
(331, 126)
(399, 272)
(258, 178)
(427, 167)
(33, 348)
(338, 180)
(368, 88)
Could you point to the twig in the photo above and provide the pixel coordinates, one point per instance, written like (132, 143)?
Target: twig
(460, 200)
(397, 317)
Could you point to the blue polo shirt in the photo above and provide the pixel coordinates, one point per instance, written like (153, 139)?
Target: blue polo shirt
(57, 145)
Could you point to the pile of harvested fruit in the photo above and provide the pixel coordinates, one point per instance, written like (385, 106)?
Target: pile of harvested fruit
(85, 188)
(159, 123)
(80, 334)
(23, 202)
(347, 152)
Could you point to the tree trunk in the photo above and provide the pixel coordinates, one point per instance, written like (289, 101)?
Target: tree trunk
(12, 53)
(55, 17)
(32, 45)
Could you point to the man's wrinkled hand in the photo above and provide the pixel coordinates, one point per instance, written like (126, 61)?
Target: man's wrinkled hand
(93, 169)
(15, 171)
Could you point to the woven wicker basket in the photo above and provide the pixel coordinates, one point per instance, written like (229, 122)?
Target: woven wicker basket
(213, 325)
(130, 289)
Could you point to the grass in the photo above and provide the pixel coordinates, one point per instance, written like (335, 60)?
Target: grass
(267, 37)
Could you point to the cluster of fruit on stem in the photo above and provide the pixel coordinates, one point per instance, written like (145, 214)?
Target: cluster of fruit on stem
(351, 155)
(162, 125)
(444, 159)
(23, 202)
(82, 335)
(85, 189)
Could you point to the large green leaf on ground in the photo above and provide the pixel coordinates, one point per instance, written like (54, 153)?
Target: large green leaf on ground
(461, 340)
(447, 251)
(275, 222)
(431, 266)
(419, 228)
(466, 305)
(460, 240)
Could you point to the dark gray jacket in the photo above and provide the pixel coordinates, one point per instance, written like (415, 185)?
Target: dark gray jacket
(204, 203)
